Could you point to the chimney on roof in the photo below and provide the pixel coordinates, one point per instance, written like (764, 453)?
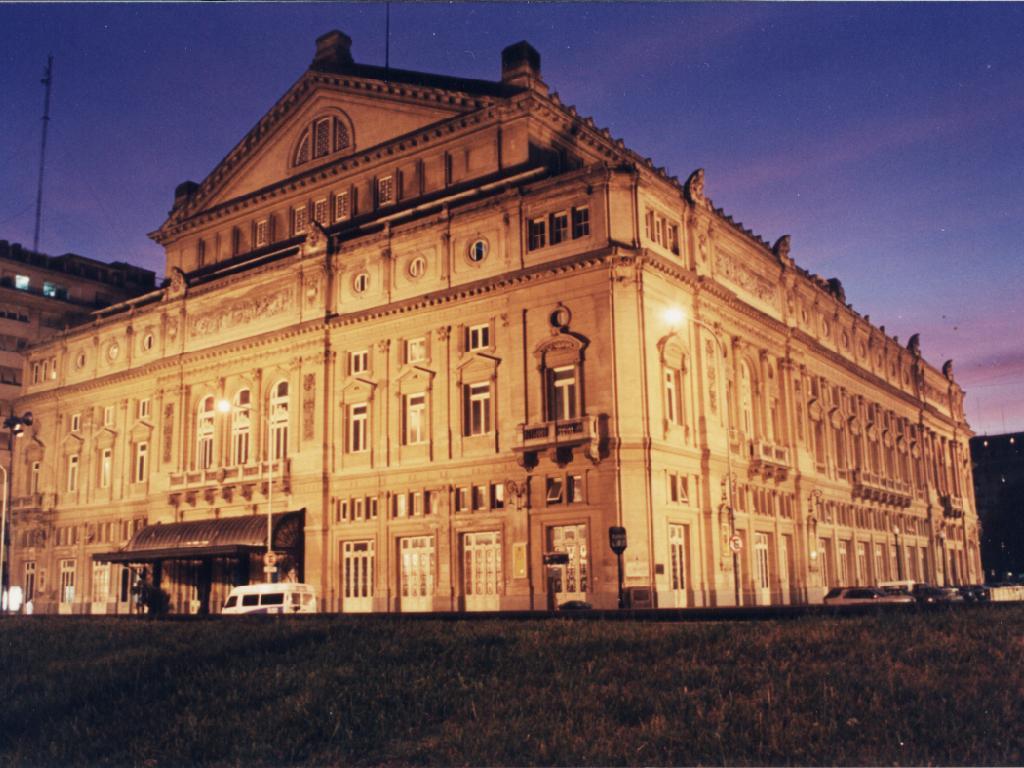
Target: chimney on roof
(183, 193)
(520, 65)
(333, 49)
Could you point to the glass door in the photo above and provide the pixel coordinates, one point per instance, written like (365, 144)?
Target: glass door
(481, 570)
(416, 576)
(357, 576)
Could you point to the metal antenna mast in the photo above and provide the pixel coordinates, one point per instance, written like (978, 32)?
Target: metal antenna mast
(47, 81)
(387, 39)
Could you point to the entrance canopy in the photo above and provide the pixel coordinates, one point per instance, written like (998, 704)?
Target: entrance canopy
(220, 537)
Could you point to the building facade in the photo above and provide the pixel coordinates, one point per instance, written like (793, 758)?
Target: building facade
(443, 334)
(39, 296)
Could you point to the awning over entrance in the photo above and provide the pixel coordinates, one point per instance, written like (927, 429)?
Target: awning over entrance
(221, 537)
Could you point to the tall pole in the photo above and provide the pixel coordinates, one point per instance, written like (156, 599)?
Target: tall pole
(47, 81)
(267, 565)
(3, 542)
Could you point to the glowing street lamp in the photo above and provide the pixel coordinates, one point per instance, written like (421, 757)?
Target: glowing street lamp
(676, 318)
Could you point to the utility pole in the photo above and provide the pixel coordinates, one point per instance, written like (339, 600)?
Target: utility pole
(47, 81)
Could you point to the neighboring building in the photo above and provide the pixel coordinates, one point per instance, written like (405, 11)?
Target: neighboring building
(999, 489)
(470, 330)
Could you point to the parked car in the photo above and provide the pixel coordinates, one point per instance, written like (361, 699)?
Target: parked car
(575, 605)
(865, 596)
(929, 595)
(975, 593)
(283, 597)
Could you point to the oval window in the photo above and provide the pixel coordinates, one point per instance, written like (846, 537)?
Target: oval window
(112, 352)
(361, 282)
(417, 267)
(80, 360)
(478, 250)
(147, 342)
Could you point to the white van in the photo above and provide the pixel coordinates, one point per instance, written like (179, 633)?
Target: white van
(284, 597)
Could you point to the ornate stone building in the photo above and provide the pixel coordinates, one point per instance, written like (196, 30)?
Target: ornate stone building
(445, 328)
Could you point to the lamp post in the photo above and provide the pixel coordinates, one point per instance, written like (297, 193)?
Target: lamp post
(676, 317)
(225, 406)
(899, 555)
(15, 426)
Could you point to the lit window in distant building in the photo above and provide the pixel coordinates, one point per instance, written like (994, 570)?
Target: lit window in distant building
(21, 282)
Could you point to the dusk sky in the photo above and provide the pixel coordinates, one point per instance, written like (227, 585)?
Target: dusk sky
(886, 139)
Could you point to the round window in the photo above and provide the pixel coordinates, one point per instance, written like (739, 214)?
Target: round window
(417, 267)
(361, 282)
(112, 352)
(478, 250)
(147, 342)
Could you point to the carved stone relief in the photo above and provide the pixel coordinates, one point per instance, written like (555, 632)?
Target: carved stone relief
(308, 405)
(742, 276)
(242, 312)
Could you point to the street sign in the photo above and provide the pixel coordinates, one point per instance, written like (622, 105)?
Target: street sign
(556, 558)
(617, 539)
(270, 569)
(270, 558)
(735, 543)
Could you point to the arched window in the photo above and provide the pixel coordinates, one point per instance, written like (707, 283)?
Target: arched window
(279, 421)
(746, 400)
(204, 433)
(241, 413)
(323, 136)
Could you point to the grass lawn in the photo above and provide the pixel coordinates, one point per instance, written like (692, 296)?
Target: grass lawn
(895, 688)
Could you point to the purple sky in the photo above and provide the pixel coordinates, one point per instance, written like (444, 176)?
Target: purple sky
(887, 139)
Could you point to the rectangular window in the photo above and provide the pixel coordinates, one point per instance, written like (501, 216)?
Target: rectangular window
(580, 222)
(49, 289)
(559, 227)
(106, 465)
(479, 337)
(36, 470)
(574, 489)
(672, 396)
(497, 495)
(649, 225)
(358, 362)
(262, 236)
(555, 490)
(537, 234)
(76, 422)
(100, 582)
(416, 350)
(461, 499)
(358, 508)
(29, 584)
(477, 408)
(320, 211)
(401, 504)
(141, 455)
(342, 206)
(108, 416)
(416, 503)
(144, 408)
(201, 253)
(673, 238)
(343, 509)
(415, 418)
(67, 581)
(371, 503)
(300, 220)
(72, 473)
(21, 282)
(562, 393)
(385, 190)
(357, 432)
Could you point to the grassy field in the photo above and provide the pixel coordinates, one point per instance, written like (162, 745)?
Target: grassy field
(895, 688)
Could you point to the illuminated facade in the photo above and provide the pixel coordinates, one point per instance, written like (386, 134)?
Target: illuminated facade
(470, 329)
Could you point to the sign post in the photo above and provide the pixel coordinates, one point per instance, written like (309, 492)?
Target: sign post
(617, 542)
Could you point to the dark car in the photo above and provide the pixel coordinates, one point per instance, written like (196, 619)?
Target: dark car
(575, 605)
(975, 593)
(927, 595)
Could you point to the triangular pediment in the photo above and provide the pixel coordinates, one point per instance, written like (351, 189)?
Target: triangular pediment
(362, 112)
